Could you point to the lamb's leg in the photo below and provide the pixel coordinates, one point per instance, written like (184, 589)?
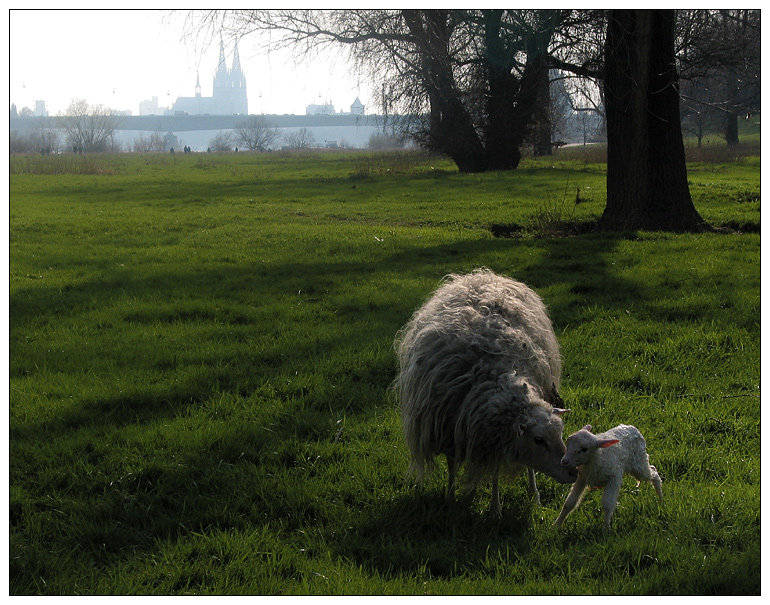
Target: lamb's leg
(647, 472)
(533, 486)
(610, 499)
(572, 501)
(452, 465)
(495, 510)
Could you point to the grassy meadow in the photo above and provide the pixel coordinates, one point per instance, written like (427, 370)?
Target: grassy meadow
(201, 355)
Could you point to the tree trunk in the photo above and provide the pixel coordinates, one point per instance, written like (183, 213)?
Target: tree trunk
(454, 134)
(731, 128)
(646, 172)
(533, 99)
(451, 129)
(529, 98)
(542, 122)
(502, 151)
(542, 119)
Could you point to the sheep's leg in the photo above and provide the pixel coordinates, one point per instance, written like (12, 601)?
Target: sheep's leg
(610, 500)
(657, 482)
(452, 465)
(533, 486)
(572, 501)
(495, 509)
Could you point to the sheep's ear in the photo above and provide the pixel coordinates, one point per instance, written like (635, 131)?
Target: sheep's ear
(587, 427)
(560, 411)
(607, 442)
(555, 397)
(519, 428)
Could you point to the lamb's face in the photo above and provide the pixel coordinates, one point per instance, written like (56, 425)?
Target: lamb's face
(580, 448)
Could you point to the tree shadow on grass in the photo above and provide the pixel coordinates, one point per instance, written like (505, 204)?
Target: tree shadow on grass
(581, 269)
(420, 529)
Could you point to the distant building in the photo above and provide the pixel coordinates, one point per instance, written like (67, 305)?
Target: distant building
(40, 109)
(150, 108)
(326, 109)
(170, 141)
(229, 94)
(357, 108)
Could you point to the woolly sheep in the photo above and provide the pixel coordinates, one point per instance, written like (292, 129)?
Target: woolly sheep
(602, 460)
(479, 374)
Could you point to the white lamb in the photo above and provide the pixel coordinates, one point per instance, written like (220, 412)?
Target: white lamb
(602, 460)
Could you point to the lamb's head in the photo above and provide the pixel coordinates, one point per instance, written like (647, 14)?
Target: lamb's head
(539, 442)
(581, 447)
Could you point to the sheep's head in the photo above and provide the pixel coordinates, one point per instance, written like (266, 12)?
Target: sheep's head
(540, 445)
(582, 445)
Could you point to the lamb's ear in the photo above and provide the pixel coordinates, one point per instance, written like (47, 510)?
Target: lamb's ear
(607, 442)
(587, 427)
(560, 411)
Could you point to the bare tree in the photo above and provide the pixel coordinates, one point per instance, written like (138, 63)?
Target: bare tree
(385, 141)
(222, 141)
(44, 138)
(88, 128)
(468, 81)
(256, 133)
(300, 139)
(18, 143)
(149, 144)
(719, 57)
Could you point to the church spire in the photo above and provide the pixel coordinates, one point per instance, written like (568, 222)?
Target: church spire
(222, 66)
(236, 59)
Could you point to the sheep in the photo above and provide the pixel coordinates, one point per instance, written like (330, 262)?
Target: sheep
(602, 460)
(479, 371)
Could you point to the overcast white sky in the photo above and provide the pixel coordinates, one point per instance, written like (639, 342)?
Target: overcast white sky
(118, 58)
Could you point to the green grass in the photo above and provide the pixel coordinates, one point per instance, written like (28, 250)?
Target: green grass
(201, 355)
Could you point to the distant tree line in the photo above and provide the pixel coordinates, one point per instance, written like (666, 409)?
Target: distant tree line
(255, 134)
(82, 128)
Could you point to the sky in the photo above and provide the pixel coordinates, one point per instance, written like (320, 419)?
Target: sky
(118, 58)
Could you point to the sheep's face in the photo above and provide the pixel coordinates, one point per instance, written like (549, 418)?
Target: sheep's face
(539, 444)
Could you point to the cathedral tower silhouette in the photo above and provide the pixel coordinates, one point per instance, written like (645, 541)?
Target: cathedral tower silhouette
(229, 93)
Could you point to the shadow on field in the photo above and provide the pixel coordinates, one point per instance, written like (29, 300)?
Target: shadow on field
(584, 267)
(421, 529)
